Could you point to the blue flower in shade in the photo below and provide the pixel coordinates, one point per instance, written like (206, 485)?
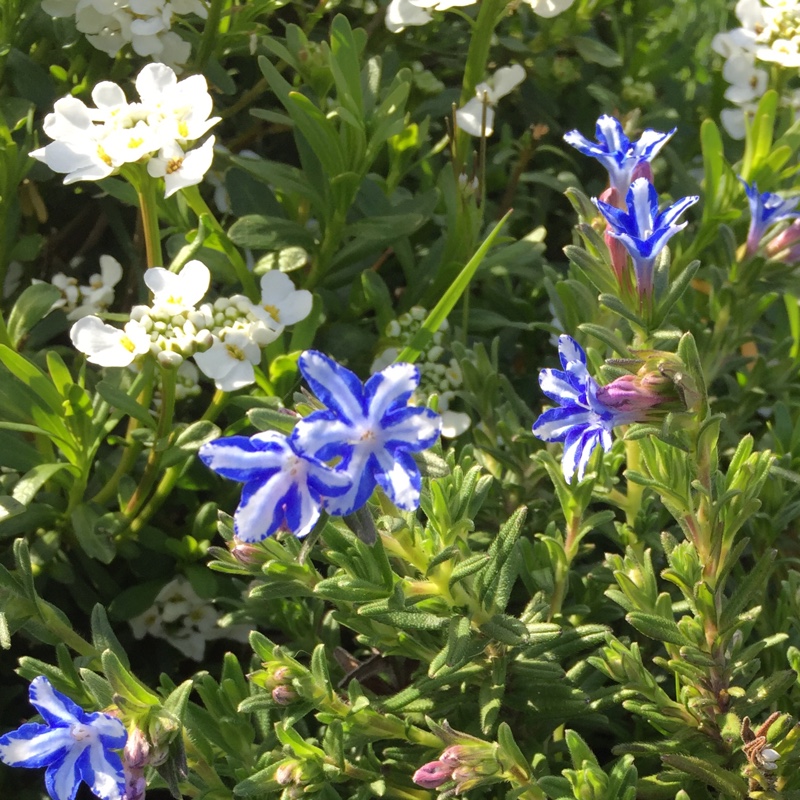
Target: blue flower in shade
(582, 421)
(615, 151)
(765, 210)
(369, 427)
(642, 229)
(282, 487)
(73, 745)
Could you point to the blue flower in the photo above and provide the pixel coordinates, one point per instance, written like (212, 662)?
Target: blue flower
(766, 209)
(369, 427)
(642, 229)
(615, 151)
(582, 422)
(283, 488)
(73, 745)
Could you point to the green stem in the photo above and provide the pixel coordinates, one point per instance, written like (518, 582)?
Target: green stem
(330, 244)
(165, 417)
(199, 206)
(171, 475)
(635, 491)
(4, 336)
(210, 31)
(490, 13)
(148, 203)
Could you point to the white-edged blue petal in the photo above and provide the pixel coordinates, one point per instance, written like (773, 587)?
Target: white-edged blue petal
(262, 509)
(411, 428)
(361, 469)
(578, 448)
(562, 387)
(390, 389)
(242, 458)
(571, 354)
(102, 771)
(55, 708)
(399, 477)
(63, 777)
(555, 423)
(323, 434)
(337, 387)
(33, 745)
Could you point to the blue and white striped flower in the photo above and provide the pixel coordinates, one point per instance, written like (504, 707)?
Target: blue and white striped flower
(581, 421)
(73, 745)
(765, 210)
(615, 151)
(642, 229)
(370, 427)
(283, 488)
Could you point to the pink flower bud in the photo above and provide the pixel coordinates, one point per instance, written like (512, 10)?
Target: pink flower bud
(284, 695)
(137, 750)
(432, 775)
(631, 394)
(246, 553)
(286, 773)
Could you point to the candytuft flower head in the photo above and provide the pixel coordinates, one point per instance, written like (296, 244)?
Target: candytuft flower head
(582, 421)
(74, 746)
(283, 488)
(615, 151)
(503, 82)
(642, 229)
(108, 346)
(370, 427)
(765, 210)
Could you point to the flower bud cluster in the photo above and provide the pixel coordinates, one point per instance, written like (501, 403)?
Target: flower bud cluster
(224, 337)
(144, 24)
(438, 374)
(93, 143)
(463, 765)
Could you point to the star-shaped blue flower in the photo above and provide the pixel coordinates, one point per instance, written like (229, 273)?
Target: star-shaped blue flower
(615, 151)
(642, 229)
(73, 745)
(582, 422)
(369, 428)
(765, 210)
(283, 488)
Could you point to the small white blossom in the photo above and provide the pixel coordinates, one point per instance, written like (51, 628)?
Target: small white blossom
(281, 304)
(181, 291)
(107, 346)
(229, 361)
(180, 169)
(470, 118)
(549, 8)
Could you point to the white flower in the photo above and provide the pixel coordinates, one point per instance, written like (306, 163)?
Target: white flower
(179, 169)
(281, 304)
(177, 292)
(107, 346)
(229, 361)
(747, 82)
(470, 117)
(549, 8)
(401, 13)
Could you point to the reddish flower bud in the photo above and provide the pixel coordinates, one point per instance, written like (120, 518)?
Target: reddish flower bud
(137, 750)
(284, 695)
(642, 170)
(432, 775)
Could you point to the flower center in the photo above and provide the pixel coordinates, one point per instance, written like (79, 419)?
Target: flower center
(183, 129)
(173, 165)
(127, 344)
(104, 156)
(273, 311)
(135, 141)
(81, 732)
(235, 352)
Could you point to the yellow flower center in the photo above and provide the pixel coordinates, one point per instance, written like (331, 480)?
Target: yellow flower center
(173, 165)
(103, 155)
(273, 312)
(235, 352)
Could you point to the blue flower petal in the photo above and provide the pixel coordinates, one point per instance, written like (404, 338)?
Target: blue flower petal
(562, 387)
(399, 477)
(102, 771)
(33, 745)
(323, 435)
(578, 448)
(390, 389)
(63, 777)
(243, 458)
(572, 356)
(411, 428)
(55, 708)
(263, 507)
(361, 469)
(337, 387)
(555, 423)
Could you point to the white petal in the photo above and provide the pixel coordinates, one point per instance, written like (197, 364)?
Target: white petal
(108, 95)
(506, 79)
(470, 118)
(111, 270)
(153, 81)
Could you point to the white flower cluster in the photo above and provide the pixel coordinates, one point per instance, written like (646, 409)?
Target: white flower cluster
(80, 301)
(144, 24)
(224, 338)
(93, 143)
(769, 34)
(436, 374)
(183, 619)
(402, 13)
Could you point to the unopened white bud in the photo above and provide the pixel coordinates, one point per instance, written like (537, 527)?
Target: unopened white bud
(393, 329)
(221, 303)
(170, 359)
(435, 353)
(418, 313)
